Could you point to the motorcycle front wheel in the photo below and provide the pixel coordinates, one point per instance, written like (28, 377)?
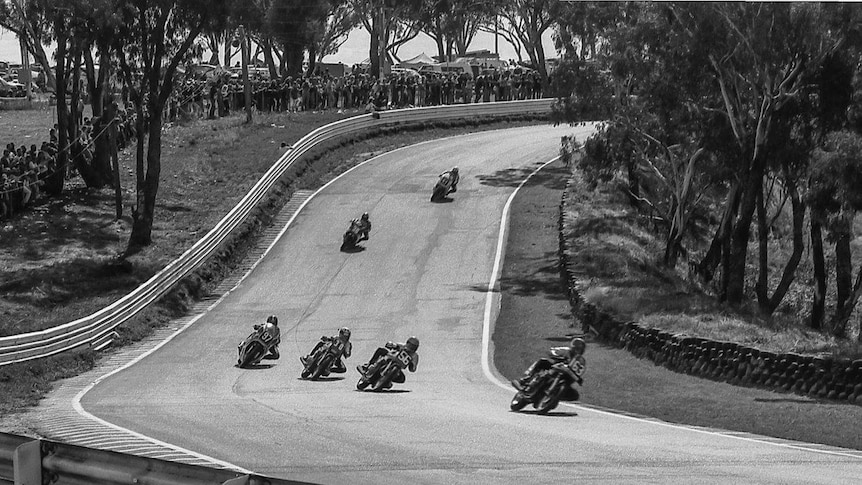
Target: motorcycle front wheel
(253, 354)
(518, 402)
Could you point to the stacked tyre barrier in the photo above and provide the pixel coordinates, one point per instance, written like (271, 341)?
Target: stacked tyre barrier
(819, 377)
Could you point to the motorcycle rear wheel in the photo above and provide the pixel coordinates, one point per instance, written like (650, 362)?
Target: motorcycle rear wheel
(321, 368)
(550, 398)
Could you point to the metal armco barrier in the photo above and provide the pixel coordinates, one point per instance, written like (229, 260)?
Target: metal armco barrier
(94, 329)
(25, 461)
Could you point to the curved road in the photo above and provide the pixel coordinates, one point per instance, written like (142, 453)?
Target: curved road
(425, 272)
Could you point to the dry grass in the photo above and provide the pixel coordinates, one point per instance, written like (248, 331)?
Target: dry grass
(619, 259)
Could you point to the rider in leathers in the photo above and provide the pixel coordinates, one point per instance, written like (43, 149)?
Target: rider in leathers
(410, 346)
(569, 360)
(455, 179)
(347, 348)
(363, 225)
(270, 334)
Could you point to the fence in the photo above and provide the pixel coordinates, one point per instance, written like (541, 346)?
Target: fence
(97, 330)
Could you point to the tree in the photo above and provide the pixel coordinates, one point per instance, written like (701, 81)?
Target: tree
(30, 22)
(528, 20)
(761, 56)
(340, 21)
(835, 199)
(390, 23)
(159, 36)
(452, 24)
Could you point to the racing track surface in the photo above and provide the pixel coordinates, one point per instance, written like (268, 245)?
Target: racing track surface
(425, 272)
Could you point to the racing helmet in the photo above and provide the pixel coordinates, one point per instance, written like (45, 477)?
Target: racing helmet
(579, 345)
(364, 216)
(454, 169)
(272, 319)
(344, 332)
(412, 344)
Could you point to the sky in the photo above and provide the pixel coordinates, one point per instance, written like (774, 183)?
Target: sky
(353, 51)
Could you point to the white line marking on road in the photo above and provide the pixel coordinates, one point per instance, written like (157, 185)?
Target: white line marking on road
(492, 376)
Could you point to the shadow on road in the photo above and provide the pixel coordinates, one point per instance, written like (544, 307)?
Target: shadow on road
(351, 250)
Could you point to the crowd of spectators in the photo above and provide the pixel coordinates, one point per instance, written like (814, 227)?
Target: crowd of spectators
(24, 171)
(220, 94)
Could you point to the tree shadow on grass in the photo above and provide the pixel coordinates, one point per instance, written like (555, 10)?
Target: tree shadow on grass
(553, 177)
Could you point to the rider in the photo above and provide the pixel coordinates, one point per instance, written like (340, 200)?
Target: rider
(410, 346)
(565, 359)
(346, 348)
(363, 225)
(271, 335)
(453, 174)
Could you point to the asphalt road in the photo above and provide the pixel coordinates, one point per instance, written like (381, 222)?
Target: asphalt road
(425, 272)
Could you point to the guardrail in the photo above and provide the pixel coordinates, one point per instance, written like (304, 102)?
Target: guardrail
(25, 461)
(95, 330)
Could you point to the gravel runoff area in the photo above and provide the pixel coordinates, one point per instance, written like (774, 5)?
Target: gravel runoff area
(536, 315)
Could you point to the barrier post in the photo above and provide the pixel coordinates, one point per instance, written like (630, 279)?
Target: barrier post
(27, 463)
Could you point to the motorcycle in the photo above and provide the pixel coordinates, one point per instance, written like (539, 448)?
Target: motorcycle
(442, 187)
(351, 237)
(253, 348)
(379, 376)
(547, 389)
(319, 363)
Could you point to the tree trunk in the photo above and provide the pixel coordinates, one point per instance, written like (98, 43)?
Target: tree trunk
(818, 303)
(789, 272)
(55, 186)
(293, 56)
(111, 113)
(144, 214)
(634, 182)
(843, 283)
(98, 86)
(761, 288)
(270, 60)
(735, 289)
(713, 257)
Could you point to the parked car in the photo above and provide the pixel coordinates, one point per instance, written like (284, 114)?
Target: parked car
(11, 89)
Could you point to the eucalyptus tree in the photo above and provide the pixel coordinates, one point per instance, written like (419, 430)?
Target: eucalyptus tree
(762, 56)
(157, 37)
(453, 24)
(659, 130)
(390, 23)
(297, 24)
(528, 20)
(341, 19)
(29, 20)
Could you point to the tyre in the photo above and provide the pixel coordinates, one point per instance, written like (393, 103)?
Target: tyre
(349, 241)
(438, 193)
(321, 367)
(518, 402)
(551, 397)
(254, 352)
(384, 378)
(362, 384)
(305, 374)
